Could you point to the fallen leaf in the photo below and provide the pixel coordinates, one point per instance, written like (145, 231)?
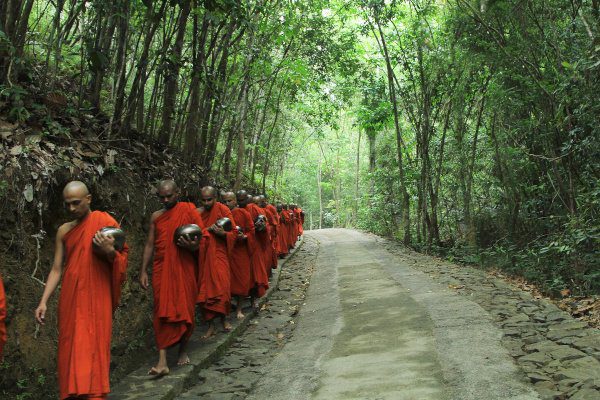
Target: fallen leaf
(456, 287)
(565, 292)
(28, 192)
(15, 151)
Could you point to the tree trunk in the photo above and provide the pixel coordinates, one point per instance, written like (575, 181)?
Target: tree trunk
(171, 76)
(399, 142)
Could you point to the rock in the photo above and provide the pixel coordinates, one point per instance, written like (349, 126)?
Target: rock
(588, 362)
(564, 353)
(566, 384)
(557, 316)
(588, 343)
(577, 373)
(529, 310)
(515, 320)
(511, 332)
(537, 377)
(561, 334)
(586, 394)
(547, 390)
(539, 317)
(566, 340)
(543, 346)
(535, 338)
(529, 367)
(591, 383)
(568, 325)
(537, 358)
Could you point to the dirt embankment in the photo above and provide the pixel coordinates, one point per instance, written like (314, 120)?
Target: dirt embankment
(37, 157)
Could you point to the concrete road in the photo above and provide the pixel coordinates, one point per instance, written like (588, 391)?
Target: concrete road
(374, 328)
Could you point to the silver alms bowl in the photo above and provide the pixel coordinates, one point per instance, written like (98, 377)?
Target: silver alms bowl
(116, 233)
(224, 223)
(260, 224)
(190, 231)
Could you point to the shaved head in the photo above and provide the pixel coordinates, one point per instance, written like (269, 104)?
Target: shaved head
(228, 195)
(167, 192)
(208, 197)
(230, 200)
(76, 187)
(77, 199)
(242, 198)
(167, 184)
(209, 190)
(261, 200)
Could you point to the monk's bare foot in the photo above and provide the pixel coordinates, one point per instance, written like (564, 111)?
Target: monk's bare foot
(210, 332)
(239, 314)
(159, 371)
(184, 359)
(227, 326)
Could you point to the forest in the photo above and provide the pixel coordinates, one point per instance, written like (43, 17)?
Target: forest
(463, 128)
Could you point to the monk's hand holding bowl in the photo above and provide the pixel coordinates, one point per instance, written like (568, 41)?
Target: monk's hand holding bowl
(185, 242)
(240, 235)
(105, 244)
(217, 230)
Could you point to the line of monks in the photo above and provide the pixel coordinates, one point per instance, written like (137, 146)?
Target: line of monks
(206, 270)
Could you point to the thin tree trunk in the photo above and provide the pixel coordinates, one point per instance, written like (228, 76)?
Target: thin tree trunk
(399, 141)
(172, 75)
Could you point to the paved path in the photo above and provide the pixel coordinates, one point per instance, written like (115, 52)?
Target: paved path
(375, 329)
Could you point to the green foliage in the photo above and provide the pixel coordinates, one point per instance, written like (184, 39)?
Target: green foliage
(15, 96)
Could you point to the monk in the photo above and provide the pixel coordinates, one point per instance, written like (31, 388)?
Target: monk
(292, 226)
(285, 217)
(215, 281)
(273, 220)
(282, 249)
(260, 278)
(174, 274)
(263, 237)
(297, 219)
(301, 216)
(245, 245)
(91, 286)
(2, 317)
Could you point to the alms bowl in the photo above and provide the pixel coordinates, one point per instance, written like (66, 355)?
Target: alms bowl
(224, 223)
(190, 231)
(117, 233)
(260, 224)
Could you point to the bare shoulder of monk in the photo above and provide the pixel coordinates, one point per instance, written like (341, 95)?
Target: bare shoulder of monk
(66, 228)
(156, 214)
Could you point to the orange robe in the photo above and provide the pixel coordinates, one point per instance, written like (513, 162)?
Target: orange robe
(273, 218)
(260, 278)
(263, 238)
(214, 295)
(174, 277)
(2, 317)
(283, 233)
(241, 278)
(90, 291)
(300, 219)
(293, 231)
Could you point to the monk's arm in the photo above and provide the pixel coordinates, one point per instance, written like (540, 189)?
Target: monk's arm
(148, 253)
(53, 276)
